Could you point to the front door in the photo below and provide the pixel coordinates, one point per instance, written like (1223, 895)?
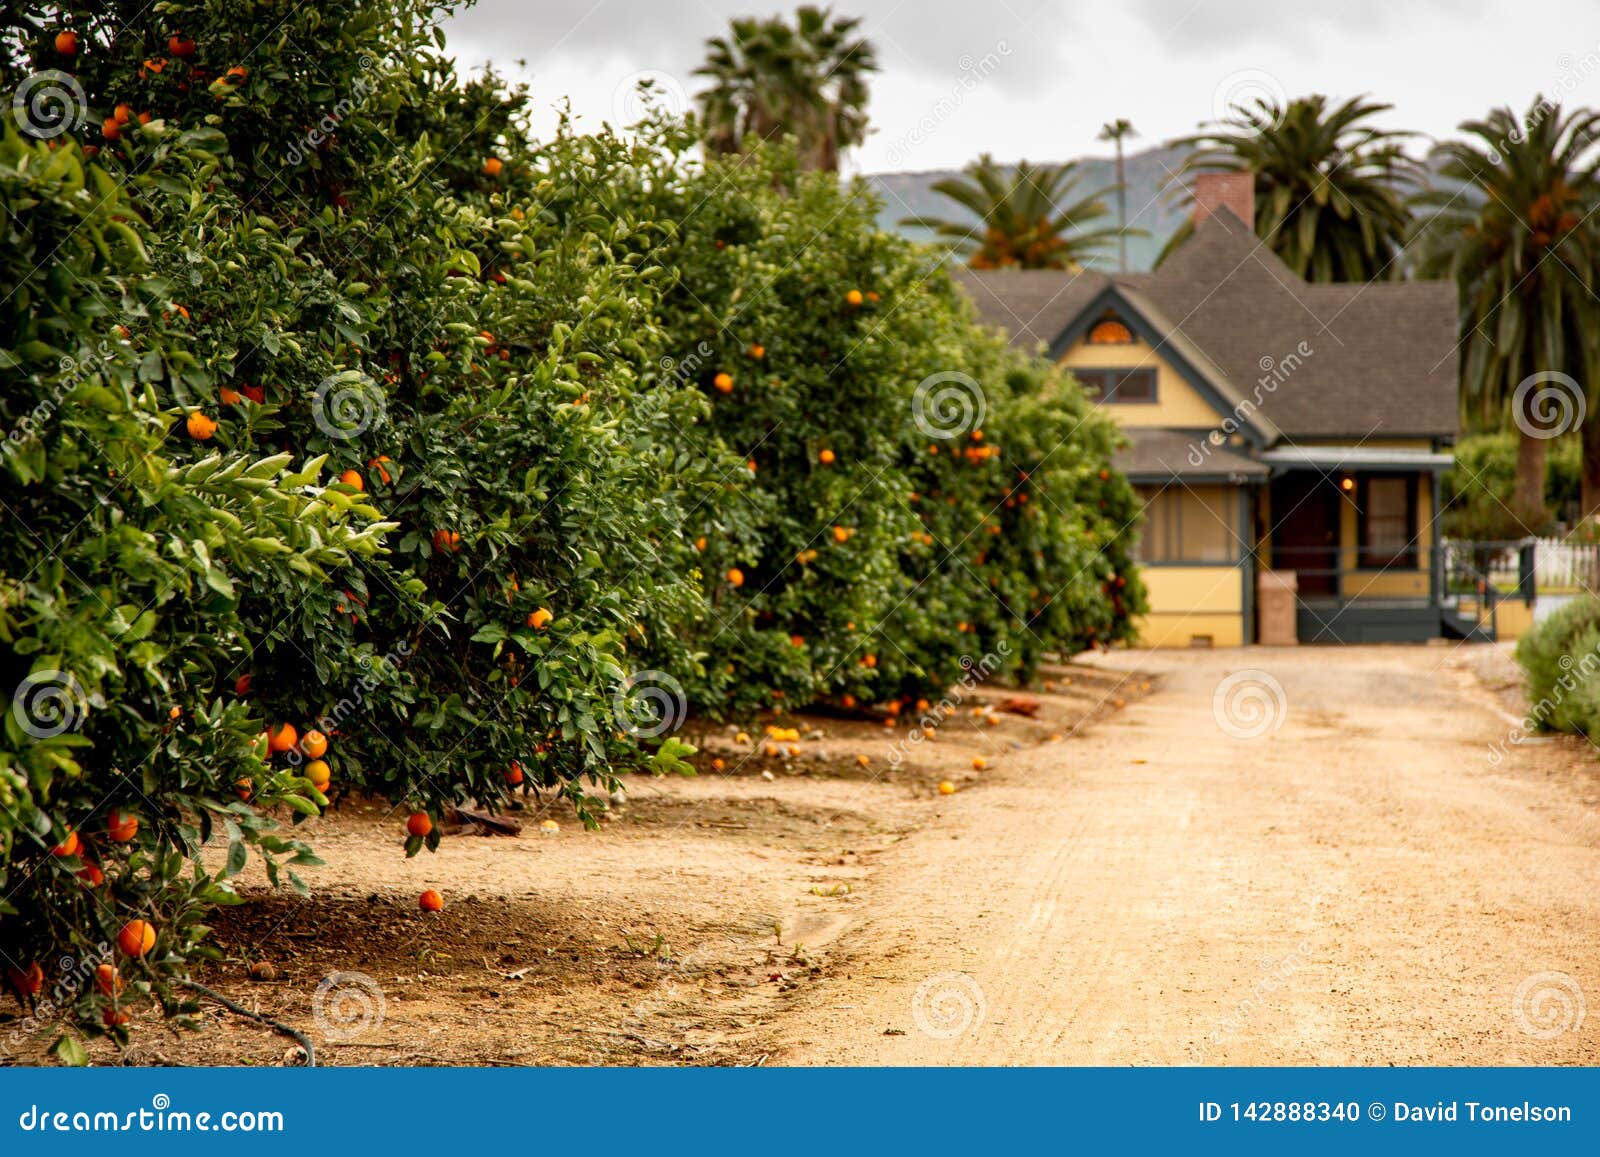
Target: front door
(1305, 530)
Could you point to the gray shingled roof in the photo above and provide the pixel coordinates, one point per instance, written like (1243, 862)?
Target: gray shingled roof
(1383, 355)
(1155, 451)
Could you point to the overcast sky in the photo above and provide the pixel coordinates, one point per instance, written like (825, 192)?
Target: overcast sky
(1036, 79)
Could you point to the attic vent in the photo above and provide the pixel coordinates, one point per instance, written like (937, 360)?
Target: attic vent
(1110, 332)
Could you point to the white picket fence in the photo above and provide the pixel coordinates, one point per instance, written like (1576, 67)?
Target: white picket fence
(1559, 565)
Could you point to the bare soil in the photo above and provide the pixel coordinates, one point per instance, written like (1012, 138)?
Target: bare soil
(1381, 878)
(681, 930)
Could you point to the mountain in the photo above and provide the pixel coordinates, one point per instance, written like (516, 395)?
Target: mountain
(1152, 205)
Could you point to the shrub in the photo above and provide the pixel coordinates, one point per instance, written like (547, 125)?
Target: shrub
(1560, 658)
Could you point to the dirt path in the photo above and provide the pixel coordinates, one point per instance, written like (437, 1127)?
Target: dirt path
(1361, 885)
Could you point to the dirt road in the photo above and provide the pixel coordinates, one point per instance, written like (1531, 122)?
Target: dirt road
(1357, 884)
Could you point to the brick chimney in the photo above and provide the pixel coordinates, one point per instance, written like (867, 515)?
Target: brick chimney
(1235, 190)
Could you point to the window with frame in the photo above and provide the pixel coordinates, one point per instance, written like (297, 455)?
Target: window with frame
(1189, 524)
(1387, 522)
(1110, 331)
(1118, 385)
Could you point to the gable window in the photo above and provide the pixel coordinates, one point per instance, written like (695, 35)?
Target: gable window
(1118, 385)
(1110, 331)
(1387, 522)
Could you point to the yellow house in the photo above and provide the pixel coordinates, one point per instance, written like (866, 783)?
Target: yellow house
(1282, 433)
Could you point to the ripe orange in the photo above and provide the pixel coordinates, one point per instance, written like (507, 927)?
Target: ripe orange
(353, 479)
(230, 396)
(67, 43)
(200, 427)
(418, 824)
(320, 774)
(111, 128)
(700, 543)
(27, 981)
(236, 74)
(869, 660)
(446, 540)
(114, 1017)
(853, 297)
(137, 937)
(122, 827)
(946, 787)
(757, 350)
(281, 738)
(797, 640)
(826, 457)
(723, 382)
(180, 46)
(864, 760)
(847, 700)
(67, 847)
(514, 773)
(430, 901)
(540, 619)
(123, 114)
(107, 980)
(735, 577)
(314, 744)
(979, 763)
(922, 705)
(718, 763)
(92, 875)
(377, 464)
(241, 685)
(492, 166)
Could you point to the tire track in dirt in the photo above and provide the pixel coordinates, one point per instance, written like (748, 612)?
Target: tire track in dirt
(1360, 886)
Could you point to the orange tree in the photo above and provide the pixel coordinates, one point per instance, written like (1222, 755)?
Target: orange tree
(912, 494)
(457, 572)
(126, 562)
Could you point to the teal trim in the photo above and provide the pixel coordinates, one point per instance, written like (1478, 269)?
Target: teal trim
(1113, 299)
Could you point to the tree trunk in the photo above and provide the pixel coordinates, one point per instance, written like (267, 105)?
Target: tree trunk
(1528, 501)
(1589, 500)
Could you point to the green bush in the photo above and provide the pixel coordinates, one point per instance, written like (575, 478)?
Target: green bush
(1560, 659)
(334, 403)
(1477, 491)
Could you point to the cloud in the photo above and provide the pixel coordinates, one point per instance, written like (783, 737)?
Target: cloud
(927, 37)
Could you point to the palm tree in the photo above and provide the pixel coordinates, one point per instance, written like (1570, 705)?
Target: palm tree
(1115, 131)
(770, 78)
(1517, 233)
(1026, 217)
(1330, 190)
